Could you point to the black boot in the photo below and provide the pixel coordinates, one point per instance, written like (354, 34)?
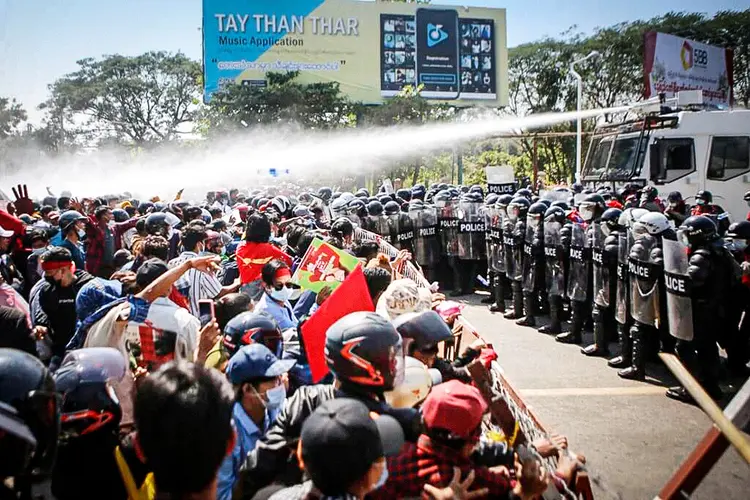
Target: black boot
(599, 347)
(499, 292)
(576, 325)
(517, 311)
(637, 368)
(554, 327)
(625, 357)
(529, 304)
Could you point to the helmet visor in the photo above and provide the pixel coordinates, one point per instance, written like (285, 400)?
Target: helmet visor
(683, 237)
(90, 365)
(587, 211)
(639, 230)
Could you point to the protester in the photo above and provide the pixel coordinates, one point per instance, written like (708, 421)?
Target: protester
(277, 288)
(72, 230)
(256, 253)
(103, 239)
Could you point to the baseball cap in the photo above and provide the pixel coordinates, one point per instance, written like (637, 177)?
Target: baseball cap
(256, 361)
(341, 441)
(149, 271)
(454, 407)
(5, 233)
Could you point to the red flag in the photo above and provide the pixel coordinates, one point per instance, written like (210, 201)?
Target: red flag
(351, 296)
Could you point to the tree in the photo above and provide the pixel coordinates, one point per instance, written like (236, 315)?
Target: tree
(149, 98)
(282, 100)
(11, 116)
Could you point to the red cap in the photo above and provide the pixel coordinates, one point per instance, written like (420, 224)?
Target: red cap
(455, 407)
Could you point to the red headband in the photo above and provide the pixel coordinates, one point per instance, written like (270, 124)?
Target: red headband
(283, 271)
(52, 266)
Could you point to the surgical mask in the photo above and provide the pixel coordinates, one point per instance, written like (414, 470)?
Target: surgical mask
(382, 479)
(587, 212)
(81, 233)
(606, 229)
(736, 245)
(280, 295)
(276, 397)
(513, 213)
(533, 221)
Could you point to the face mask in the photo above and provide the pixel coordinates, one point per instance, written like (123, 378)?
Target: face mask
(280, 295)
(605, 229)
(382, 479)
(276, 397)
(81, 233)
(587, 213)
(533, 222)
(223, 251)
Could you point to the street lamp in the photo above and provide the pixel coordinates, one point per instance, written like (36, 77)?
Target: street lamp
(579, 131)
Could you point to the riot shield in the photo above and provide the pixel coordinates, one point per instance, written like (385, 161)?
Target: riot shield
(553, 255)
(518, 236)
(496, 239)
(371, 223)
(601, 273)
(471, 230)
(487, 213)
(644, 276)
(388, 228)
(426, 246)
(678, 286)
(509, 247)
(578, 275)
(529, 267)
(448, 227)
(404, 233)
(623, 251)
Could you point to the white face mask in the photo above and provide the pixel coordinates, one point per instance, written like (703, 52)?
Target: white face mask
(275, 397)
(382, 479)
(280, 295)
(81, 233)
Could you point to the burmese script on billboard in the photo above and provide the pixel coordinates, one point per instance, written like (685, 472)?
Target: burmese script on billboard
(372, 49)
(673, 64)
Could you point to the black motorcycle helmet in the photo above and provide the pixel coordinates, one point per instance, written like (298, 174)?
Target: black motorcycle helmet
(362, 193)
(404, 194)
(120, 215)
(418, 191)
(547, 203)
(391, 208)
(535, 199)
(518, 207)
(416, 204)
(325, 194)
(592, 207)
(504, 200)
(145, 207)
(555, 214)
(422, 331)
(443, 196)
(156, 224)
(476, 188)
(561, 204)
(524, 192)
(536, 211)
(576, 188)
(357, 207)
(704, 198)
(698, 230)
(739, 230)
(192, 213)
(29, 416)
(472, 197)
(649, 193)
(252, 328)
(491, 199)
(89, 404)
(375, 208)
(611, 220)
(364, 350)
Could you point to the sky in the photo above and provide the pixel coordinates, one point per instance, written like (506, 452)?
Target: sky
(41, 40)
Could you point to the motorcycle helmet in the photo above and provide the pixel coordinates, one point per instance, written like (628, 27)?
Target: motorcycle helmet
(611, 220)
(503, 200)
(517, 208)
(476, 188)
(630, 216)
(120, 215)
(653, 223)
(364, 350)
(404, 194)
(375, 208)
(697, 230)
(68, 219)
(325, 194)
(421, 331)
(418, 191)
(491, 199)
(391, 208)
(252, 328)
(524, 192)
(649, 193)
(562, 204)
(592, 207)
(555, 214)
(339, 207)
(704, 198)
(535, 214)
(156, 224)
(738, 235)
(29, 415)
(418, 380)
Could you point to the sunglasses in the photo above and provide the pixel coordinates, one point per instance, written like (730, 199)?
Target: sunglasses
(288, 284)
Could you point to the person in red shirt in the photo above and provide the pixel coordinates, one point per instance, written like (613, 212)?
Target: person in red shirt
(255, 253)
(747, 200)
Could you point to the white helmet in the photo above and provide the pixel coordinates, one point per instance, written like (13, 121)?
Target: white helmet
(418, 380)
(654, 223)
(630, 216)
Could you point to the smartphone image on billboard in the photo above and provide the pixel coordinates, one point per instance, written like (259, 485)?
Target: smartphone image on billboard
(397, 49)
(437, 54)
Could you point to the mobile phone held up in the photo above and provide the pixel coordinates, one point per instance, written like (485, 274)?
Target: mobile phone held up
(437, 54)
(206, 311)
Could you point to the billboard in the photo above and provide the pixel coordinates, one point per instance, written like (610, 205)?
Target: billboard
(372, 49)
(673, 64)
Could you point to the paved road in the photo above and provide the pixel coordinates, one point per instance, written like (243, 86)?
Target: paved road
(632, 435)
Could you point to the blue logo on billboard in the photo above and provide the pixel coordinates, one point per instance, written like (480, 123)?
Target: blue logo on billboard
(435, 34)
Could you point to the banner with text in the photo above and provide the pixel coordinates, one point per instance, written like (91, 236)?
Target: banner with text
(673, 64)
(372, 49)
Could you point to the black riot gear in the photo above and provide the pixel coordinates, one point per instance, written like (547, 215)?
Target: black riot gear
(517, 211)
(699, 230)
(426, 243)
(487, 210)
(498, 215)
(579, 282)
(533, 262)
(556, 247)
(471, 241)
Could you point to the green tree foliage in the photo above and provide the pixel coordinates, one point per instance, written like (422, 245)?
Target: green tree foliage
(132, 100)
(11, 116)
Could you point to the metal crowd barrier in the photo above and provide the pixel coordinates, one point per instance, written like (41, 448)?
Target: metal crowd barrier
(511, 413)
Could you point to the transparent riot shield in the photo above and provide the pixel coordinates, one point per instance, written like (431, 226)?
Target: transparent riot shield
(678, 286)
(448, 227)
(471, 231)
(578, 275)
(391, 225)
(425, 245)
(644, 276)
(529, 264)
(518, 236)
(404, 233)
(496, 236)
(487, 214)
(601, 273)
(621, 306)
(509, 248)
(553, 256)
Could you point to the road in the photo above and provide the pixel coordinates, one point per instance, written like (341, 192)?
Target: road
(633, 437)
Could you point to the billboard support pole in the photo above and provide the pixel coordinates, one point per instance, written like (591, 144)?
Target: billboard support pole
(460, 165)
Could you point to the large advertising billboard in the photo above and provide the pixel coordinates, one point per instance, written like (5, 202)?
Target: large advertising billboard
(673, 64)
(372, 49)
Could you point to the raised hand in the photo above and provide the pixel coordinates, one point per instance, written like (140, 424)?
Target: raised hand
(23, 203)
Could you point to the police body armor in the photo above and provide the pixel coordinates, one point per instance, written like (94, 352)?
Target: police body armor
(509, 247)
(492, 234)
(601, 272)
(644, 273)
(448, 227)
(518, 235)
(580, 256)
(531, 252)
(426, 244)
(378, 224)
(496, 240)
(402, 231)
(623, 288)
(554, 259)
(678, 288)
(471, 231)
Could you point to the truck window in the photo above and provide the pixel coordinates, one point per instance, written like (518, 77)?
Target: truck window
(677, 159)
(730, 157)
(597, 161)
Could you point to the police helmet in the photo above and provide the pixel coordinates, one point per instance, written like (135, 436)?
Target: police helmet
(697, 230)
(739, 230)
(375, 208)
(704, 197)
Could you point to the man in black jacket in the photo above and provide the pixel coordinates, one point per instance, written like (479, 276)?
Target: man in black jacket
(56, 315)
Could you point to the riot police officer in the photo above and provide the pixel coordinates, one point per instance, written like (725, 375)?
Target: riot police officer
(491, 226)
(516, 235)
(604, 253)
(500, 258)
(373, 221)
(426, 242)
(534, 265)
(471, 241)
(446, 205)
(709, 274)
(556, 247)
